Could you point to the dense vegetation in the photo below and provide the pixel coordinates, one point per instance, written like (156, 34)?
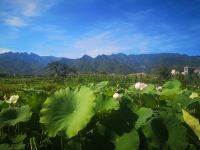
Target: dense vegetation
(99, 111)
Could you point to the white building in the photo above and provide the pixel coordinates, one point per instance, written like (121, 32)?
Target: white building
(190, 70)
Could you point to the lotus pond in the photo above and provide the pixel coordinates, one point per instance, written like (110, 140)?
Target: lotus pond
(101, 116)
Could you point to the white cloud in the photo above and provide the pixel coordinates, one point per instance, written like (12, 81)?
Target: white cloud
(123, 37)
(114, 40)
(24, 7)
(31, 8)
(4, 50)
(17, 12)
(101, 43)
(14, 21)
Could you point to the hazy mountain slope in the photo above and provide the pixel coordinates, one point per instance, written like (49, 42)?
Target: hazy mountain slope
(23, 63)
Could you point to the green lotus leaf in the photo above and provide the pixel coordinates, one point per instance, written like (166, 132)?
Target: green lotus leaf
(1, 102)
(68, 111)
(150, 89)
(101, 86)
(128, 141)
(18, 146)
(176, 132)
(105, 103)
(143, 114)
(14, 115)
(5, 147)
(35, 101)
(171, 88)
(167, 132)
(19, 138)
(182, 100)
(149, 100)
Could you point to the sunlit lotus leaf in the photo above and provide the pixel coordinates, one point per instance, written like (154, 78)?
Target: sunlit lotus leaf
(101, 86)
(192, 122)
(150, 89)
(35, 101)
(171, 88)
(194, 95)
(143, 114)
(106, 103)
(68, 111)
(128, 141)
(14, 115)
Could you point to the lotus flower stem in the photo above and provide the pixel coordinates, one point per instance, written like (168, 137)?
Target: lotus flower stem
(35, 143)
(139, 98)
(61, 142)
(31, 143)
(9, 133)
(16, 129)
(1, 132)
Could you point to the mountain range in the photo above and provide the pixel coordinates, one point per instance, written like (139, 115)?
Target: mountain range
(33, 64)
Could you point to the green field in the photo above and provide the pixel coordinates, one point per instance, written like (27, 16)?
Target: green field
(99, 112)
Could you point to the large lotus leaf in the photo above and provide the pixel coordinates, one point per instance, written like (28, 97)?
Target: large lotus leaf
(192, 122)
(106, 103)
(5, 147)
(176, 132)
(128, 141)
(19, 138)
(18, 146)
(149, 100)
(167, 132)
(3, 104)
(14, 115)
(181, 100)
(150, 89)
(132, 91)
(35, 101)
(100, 87)
(143, 114)
(68, 111)
(171, 88)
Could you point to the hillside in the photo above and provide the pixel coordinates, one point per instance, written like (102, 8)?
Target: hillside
(28, 64)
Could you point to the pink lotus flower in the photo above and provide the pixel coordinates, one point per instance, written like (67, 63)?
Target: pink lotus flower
(140, 86)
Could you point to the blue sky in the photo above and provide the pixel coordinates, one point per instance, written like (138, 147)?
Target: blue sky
(72, 28)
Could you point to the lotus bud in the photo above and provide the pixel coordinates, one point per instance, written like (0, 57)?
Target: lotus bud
(159, 88)
(5, 97)
(117, 96)
(13, 99)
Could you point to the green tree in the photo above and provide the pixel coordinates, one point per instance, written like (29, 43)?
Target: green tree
(61, 69)
(164, 72)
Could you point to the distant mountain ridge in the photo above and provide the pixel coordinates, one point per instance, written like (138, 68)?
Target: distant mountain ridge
(29, 64)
